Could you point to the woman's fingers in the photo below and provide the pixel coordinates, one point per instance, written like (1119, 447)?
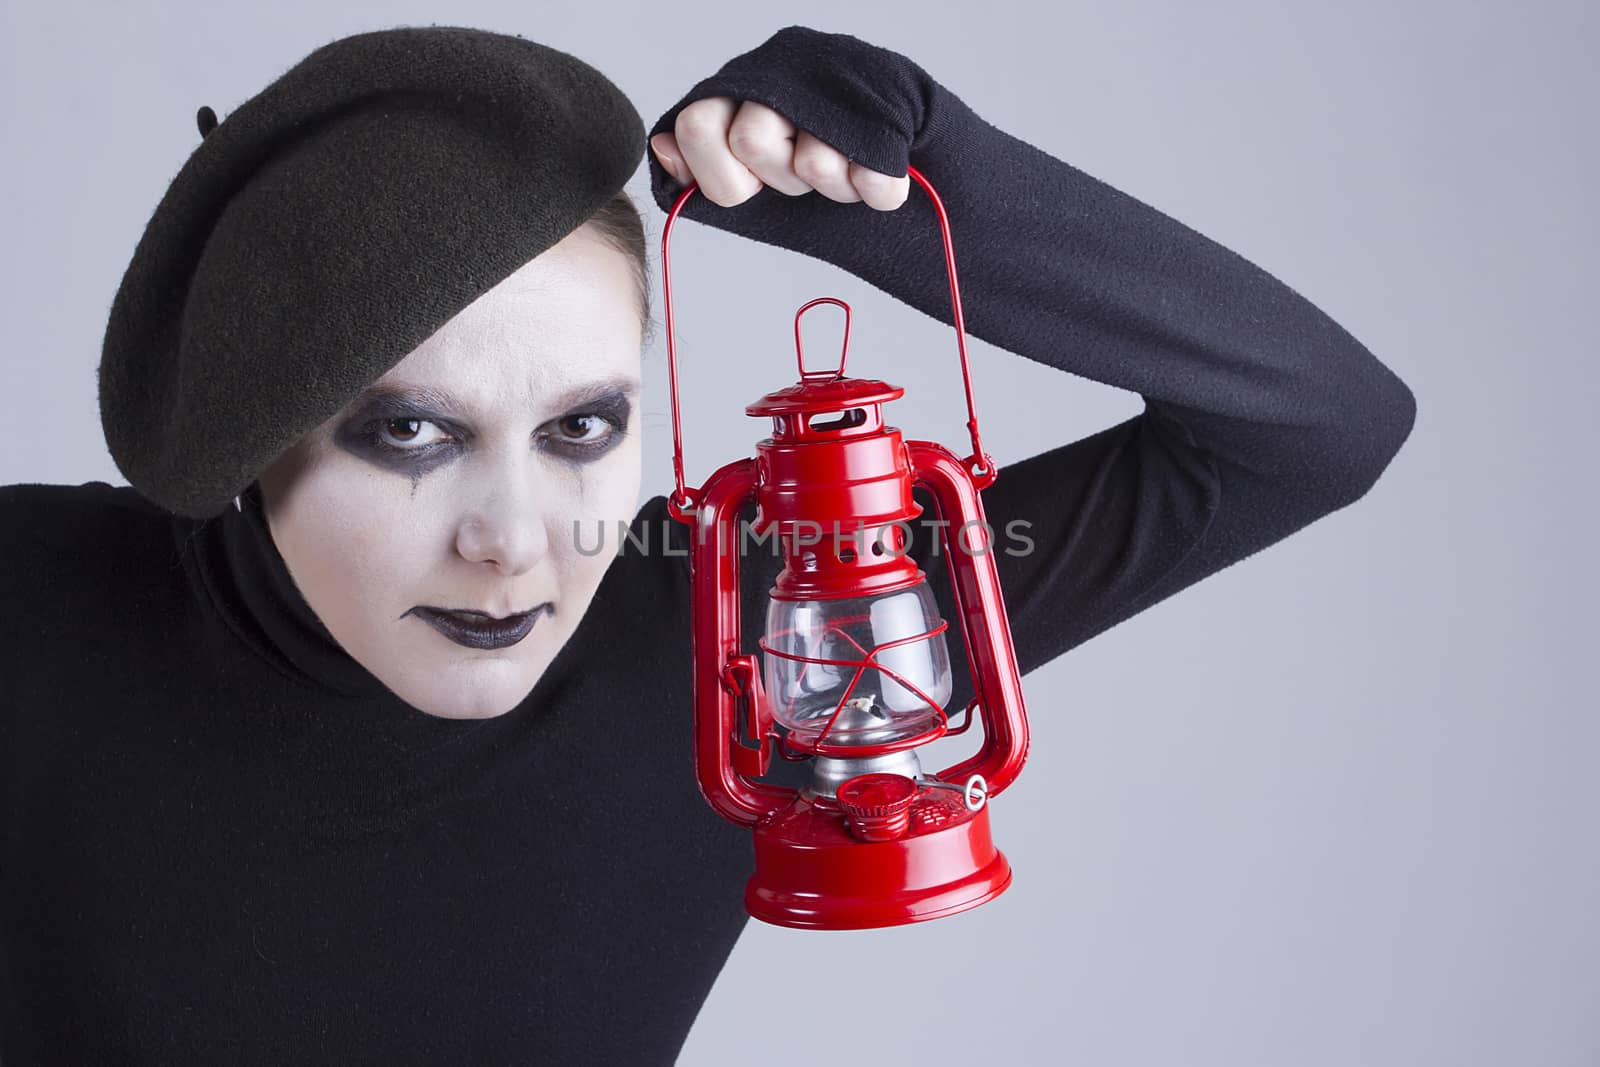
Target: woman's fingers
(882, 191)
(732, 149)
(763, 141)
(824, 168)
(701, 132)
(665, 146)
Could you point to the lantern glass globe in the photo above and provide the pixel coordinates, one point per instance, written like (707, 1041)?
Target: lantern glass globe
(901, 690)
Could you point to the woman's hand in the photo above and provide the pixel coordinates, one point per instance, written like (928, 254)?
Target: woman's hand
(732, 149)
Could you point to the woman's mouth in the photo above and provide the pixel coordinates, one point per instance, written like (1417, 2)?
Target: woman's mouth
(475, 630)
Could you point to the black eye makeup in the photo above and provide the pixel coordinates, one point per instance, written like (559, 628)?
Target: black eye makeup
(398, 432)
(590, 431)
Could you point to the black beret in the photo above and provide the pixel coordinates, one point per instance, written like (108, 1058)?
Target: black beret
(332, 223)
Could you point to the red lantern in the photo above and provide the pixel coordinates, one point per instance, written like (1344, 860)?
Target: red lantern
(854, 667)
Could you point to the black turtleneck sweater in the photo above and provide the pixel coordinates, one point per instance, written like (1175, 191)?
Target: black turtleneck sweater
(225, 842)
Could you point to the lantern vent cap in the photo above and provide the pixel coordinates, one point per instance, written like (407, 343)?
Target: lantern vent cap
(830, 395)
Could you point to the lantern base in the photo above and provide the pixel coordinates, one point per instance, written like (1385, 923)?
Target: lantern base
(811, 873)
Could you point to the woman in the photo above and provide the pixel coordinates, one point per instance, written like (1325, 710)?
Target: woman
(268, 800)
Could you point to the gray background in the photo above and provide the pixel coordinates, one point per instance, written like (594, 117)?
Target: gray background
(1331, 806)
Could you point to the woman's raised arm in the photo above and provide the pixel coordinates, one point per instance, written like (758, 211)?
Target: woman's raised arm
(1261, 413)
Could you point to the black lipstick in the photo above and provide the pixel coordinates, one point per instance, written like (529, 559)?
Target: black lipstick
(480, 631)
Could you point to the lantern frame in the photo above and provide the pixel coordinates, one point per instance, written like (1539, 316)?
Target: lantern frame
(811, 870)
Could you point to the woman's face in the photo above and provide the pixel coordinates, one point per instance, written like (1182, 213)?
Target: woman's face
(479, 474)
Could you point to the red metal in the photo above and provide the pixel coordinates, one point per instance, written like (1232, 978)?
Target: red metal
(834, 483)
(833, 393)
(975, 583)
(810, 872)
(714, 644)
(878, 806)
(844, 348)
(830, 495)
(742, 677)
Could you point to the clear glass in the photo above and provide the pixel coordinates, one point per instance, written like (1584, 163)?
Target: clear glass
(880, 708)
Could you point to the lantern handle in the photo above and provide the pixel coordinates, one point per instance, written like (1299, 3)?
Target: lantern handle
(980, 464)
(844, 346)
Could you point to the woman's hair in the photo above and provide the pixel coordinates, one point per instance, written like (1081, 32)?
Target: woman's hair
(620, 224)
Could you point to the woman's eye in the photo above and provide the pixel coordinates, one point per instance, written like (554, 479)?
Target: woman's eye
(585, 434)
(409, 434)
(582, 428)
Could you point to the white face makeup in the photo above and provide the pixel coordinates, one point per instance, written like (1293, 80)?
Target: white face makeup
(456, 482)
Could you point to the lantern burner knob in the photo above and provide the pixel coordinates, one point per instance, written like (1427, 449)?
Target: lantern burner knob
(879, 805)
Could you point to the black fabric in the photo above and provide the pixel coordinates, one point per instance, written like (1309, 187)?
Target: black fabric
(329, 225)
(221, 844)
(254, 593)
(213, 855)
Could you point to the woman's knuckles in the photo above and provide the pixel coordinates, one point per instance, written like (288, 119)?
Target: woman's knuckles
(762, 122)
(726, 190)
(820, 168)
(882, 191)
(733, 149)
(758, 147)
(704, 128)
(824, 169)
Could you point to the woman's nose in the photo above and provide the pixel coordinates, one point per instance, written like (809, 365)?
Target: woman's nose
(507, 530)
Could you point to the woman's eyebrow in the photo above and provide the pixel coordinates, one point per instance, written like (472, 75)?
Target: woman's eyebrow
(434, 403)
(589, 392)
(401, 400)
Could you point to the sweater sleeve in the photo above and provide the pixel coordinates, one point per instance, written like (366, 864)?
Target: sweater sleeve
(1261, 414)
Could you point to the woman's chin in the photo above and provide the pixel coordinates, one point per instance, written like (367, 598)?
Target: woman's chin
(483, 685)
